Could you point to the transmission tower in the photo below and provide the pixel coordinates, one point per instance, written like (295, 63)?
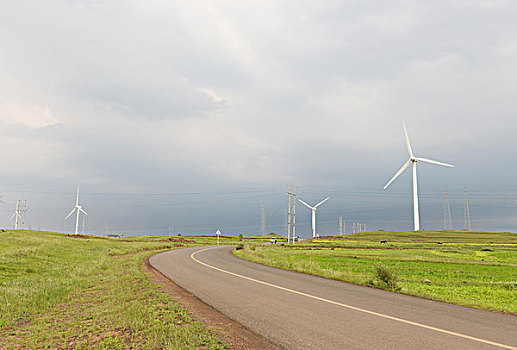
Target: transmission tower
(289, 215)
(447, 222)
(262, 219)
(467, 212)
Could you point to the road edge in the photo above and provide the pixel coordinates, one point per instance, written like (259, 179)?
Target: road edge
(232, 333)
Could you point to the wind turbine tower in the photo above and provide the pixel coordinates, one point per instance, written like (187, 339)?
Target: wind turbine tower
(314, 208)
(16, 215)
(447, 222)
(78, 209)
(467, 212)
(413, 161)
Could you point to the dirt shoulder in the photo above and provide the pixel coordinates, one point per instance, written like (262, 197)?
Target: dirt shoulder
(232, 333)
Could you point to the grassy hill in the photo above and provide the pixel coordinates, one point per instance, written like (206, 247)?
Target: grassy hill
(83, 292)
(476, 269)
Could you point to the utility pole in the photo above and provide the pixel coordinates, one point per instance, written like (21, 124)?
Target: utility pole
(289, 215)
(262, 219)
(341, 225)
(285, 218)
(467, 212)
(294, 213)
(24, 210)
(447, 223)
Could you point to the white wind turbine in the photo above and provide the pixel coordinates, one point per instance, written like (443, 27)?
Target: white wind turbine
(413, 160)
(314, 213)
(16, 215)
(79, 209)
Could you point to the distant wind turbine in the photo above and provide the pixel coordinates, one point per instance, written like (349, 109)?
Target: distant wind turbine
(16, 215)
(78, 208)
(314, 213)
(413, 160)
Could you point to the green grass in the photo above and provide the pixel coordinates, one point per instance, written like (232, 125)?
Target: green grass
(59, 291)
(475, 269)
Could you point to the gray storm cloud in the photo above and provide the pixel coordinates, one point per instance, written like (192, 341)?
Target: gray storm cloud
(213, 98)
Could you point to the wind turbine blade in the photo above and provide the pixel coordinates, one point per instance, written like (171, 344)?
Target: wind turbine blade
(408, 144)
(398, 173)
(70, 213)
(12, 216)
(85, 213)
(77, 199)
(307, 205)
(434, 162)
(323, 201)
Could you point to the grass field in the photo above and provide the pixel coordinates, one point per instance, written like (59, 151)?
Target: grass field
(475, 269)
(84, 292)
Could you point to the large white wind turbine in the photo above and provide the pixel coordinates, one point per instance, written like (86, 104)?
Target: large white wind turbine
(79, 209)
(413, 160)
(314, 213)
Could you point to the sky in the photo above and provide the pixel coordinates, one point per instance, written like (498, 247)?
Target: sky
(190, 113)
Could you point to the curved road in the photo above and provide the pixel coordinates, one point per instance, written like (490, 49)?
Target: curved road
(298, 311)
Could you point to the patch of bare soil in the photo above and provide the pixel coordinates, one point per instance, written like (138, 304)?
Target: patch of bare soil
(232, 333)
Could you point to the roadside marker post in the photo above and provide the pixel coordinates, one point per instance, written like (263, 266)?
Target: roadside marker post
(217, 234)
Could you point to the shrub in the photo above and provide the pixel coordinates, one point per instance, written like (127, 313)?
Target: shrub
(239, 247)
(386, 275)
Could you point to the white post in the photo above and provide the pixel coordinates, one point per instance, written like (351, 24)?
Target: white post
(415, 199)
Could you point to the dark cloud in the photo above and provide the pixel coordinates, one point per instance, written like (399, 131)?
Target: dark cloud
(213, 98)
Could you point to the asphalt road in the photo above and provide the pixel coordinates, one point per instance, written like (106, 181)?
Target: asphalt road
(298, 311)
